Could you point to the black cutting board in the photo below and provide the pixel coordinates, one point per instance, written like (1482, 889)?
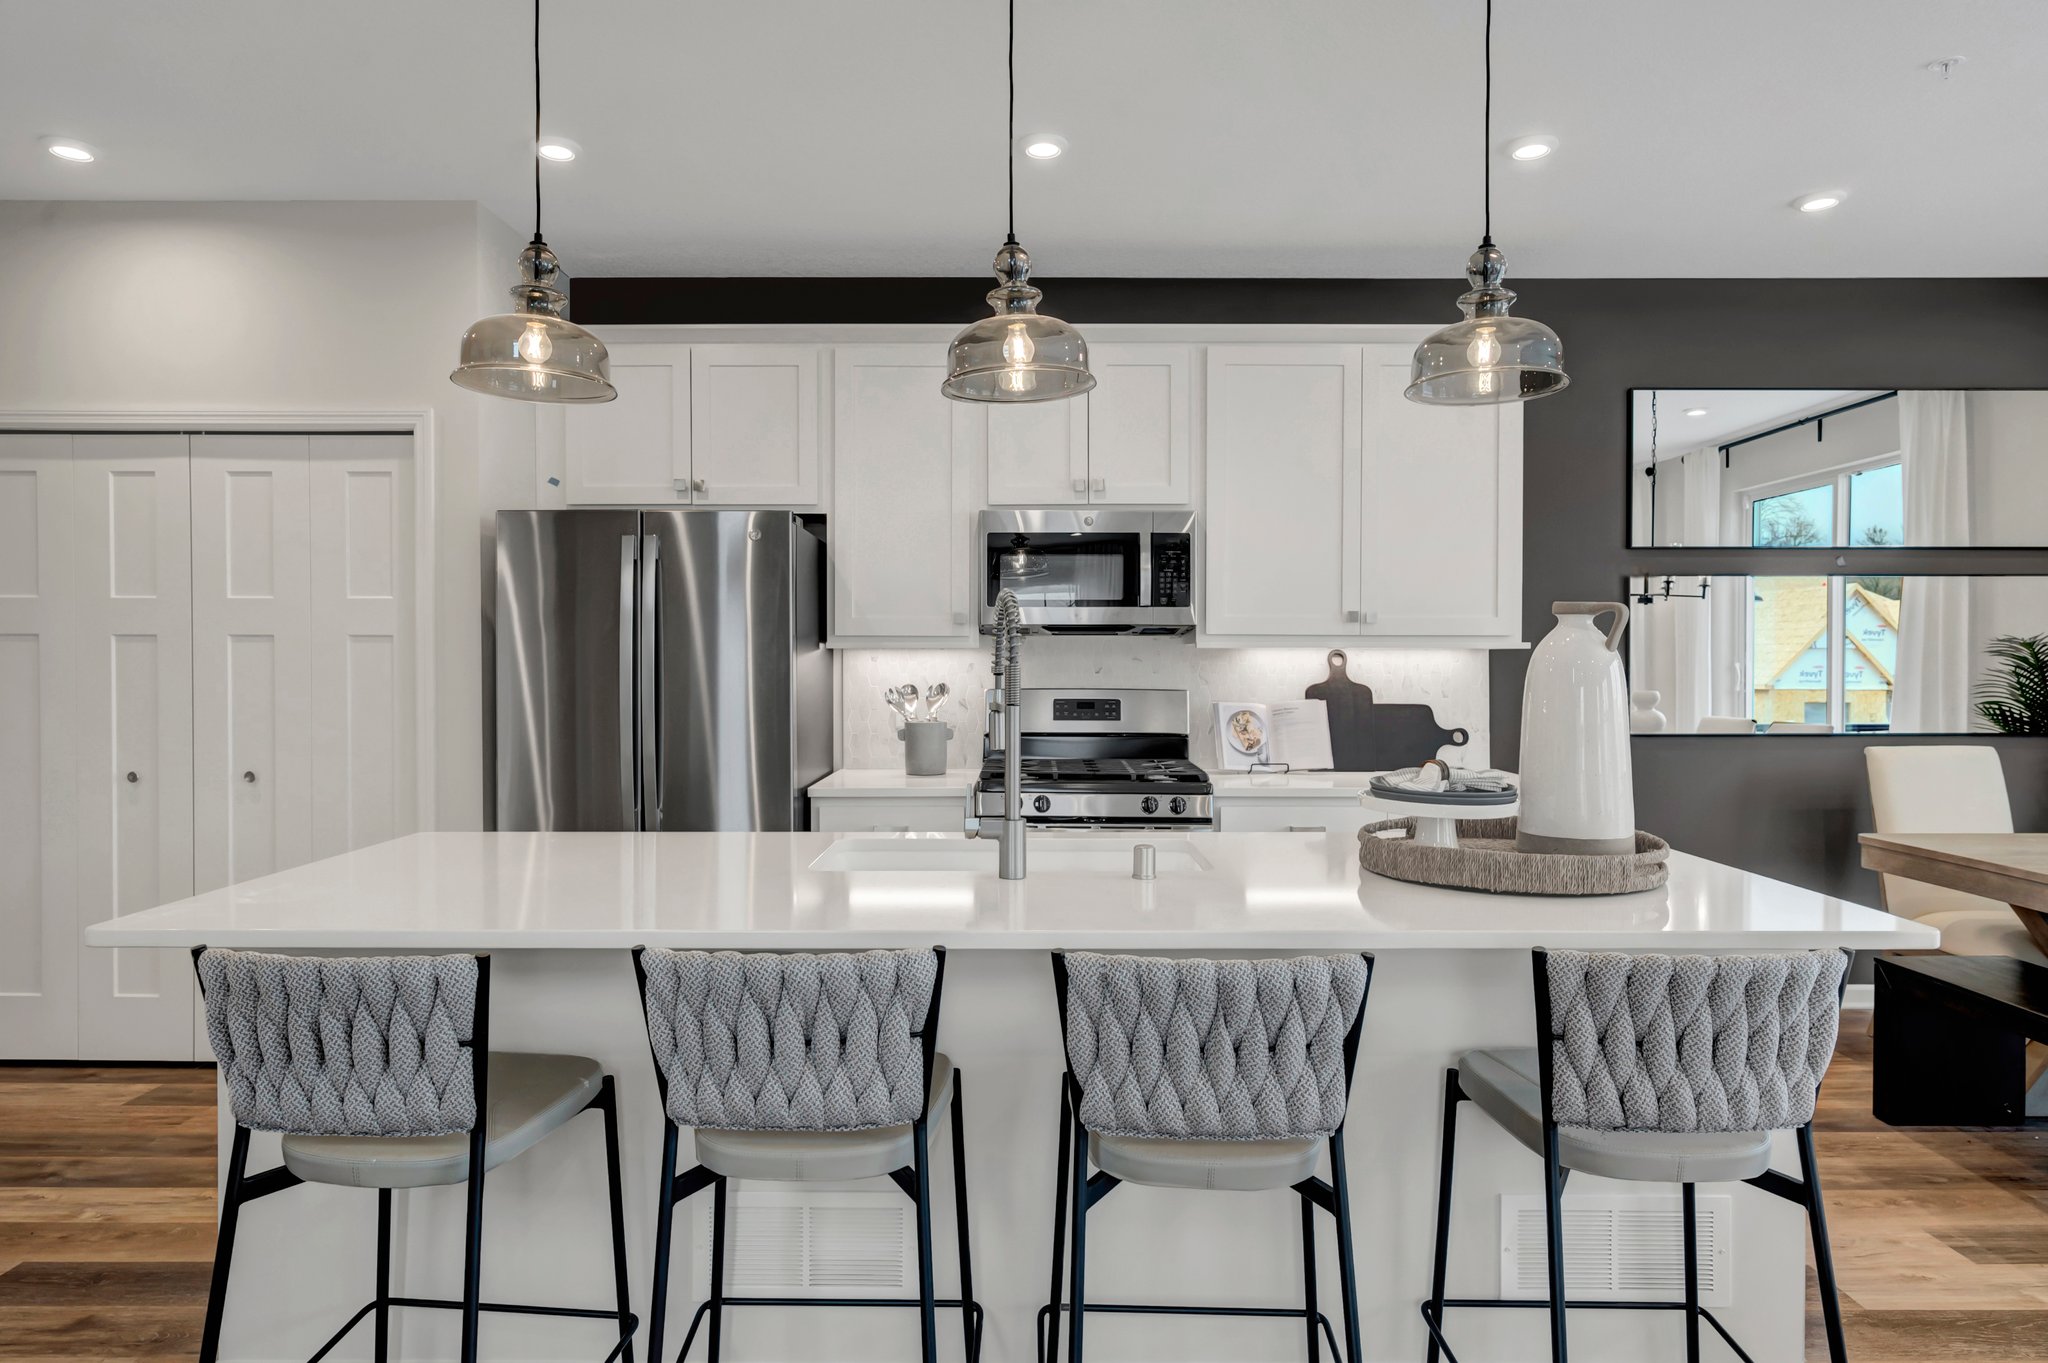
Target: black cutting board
(1368, 736)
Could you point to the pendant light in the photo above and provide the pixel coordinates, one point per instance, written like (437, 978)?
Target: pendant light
(1489, 356)
(535, 353)
(1020, 354)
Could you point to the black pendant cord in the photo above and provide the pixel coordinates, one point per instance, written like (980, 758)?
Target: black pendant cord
(1011, 153)
(536, 121)
(1486, 150)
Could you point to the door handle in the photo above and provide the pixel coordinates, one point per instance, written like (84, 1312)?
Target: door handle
(650, 698)
(1307, 828)
(629, 783)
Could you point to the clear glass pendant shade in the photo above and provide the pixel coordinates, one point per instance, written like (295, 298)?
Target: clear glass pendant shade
(535, 353)
(1490, 356)
(1020, 354)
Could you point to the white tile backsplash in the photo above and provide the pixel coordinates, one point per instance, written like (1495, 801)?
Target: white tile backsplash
(1451, 681)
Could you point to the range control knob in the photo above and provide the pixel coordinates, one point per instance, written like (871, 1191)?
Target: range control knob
(1150, 804)
(1179, 805)
(1041, 803)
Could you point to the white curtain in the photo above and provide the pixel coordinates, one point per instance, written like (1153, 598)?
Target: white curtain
(1931, 690)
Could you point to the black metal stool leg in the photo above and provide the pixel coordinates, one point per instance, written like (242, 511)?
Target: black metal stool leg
(473, 1250)
(1692, 1275)
(1347, 1268)
(970, 1336)
(664, 1231)
(1823, 1252)
(224, 1246)
(927, 1316)
(1050, 1346)
(1308, 1277)
(1440, 1265)
(383, 1353)
(608, 1100)
(1078, 1270)
(717, 1267)
(1553, 1222)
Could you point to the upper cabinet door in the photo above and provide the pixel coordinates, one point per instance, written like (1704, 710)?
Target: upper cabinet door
(1038, 452)
(753, 429)
(1443, 511)
(1138, 425)
(1284, 441)
(636, 448)
(902, 498)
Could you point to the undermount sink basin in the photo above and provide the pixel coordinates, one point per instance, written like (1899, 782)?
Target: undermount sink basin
(1044, 853)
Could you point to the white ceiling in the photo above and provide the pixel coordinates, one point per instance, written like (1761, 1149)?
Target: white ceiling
(1208, 137)
(1729, 413)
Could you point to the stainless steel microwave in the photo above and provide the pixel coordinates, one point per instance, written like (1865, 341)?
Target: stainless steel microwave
(1080, 570)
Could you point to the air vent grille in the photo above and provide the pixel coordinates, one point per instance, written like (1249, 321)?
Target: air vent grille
(1615, 1248)
(811, 1242)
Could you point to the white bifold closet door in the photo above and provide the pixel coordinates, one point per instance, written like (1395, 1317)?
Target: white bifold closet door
(132, 688)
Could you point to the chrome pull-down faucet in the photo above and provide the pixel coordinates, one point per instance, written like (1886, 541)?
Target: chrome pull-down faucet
(1005, 702)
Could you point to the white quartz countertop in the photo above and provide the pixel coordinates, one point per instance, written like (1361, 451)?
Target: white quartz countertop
(1214, 891)
(884, 782)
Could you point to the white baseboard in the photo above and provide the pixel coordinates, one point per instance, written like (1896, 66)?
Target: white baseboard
(1859, 996)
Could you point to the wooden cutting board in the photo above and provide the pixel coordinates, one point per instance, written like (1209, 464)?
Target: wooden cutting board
(1368, 736)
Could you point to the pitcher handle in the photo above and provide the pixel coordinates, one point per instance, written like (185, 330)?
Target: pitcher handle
(1596, 609)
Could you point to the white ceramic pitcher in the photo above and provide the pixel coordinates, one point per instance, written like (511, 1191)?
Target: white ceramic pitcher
(1578, 793)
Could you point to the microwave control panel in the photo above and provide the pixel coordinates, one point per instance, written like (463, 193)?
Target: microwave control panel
(1171, 572)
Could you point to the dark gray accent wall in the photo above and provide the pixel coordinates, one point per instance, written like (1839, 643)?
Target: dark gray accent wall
(1790, 808)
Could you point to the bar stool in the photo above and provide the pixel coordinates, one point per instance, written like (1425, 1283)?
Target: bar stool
(801, 1067)
(367, 1066)
(1660, 1069)
(1222, 1075)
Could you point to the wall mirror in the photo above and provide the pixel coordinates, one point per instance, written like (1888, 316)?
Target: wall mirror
(1786, 655)
(1787, 468)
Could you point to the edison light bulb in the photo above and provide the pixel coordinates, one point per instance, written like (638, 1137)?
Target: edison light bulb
(1017, 347)
(533, 345)
(1484, 351)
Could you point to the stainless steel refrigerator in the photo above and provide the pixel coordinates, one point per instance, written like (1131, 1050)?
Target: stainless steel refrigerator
(660, 670)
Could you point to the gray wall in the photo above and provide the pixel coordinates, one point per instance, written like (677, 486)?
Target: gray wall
(1790, 808)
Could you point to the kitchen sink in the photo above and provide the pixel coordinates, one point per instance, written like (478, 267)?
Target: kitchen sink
(1046, 854)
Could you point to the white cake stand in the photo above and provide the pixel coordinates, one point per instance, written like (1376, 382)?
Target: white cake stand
(1436, 823)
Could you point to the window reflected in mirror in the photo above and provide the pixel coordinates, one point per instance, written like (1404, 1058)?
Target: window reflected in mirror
(1840, 654)
(1795, 468)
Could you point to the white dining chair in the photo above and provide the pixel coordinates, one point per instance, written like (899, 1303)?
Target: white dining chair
(1947, 788)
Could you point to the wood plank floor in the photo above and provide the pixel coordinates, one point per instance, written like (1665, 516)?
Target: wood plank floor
(106, 1221)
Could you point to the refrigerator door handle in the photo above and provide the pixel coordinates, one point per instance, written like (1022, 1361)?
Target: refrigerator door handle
(650, 695)
(628, 781)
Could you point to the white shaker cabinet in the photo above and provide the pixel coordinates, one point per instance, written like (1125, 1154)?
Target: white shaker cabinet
(705, 425)
(1124, 443)
(132, 685)
(1138, 420)
(1285, 444)
(635, 448)
(903, 499)
(1442, 529)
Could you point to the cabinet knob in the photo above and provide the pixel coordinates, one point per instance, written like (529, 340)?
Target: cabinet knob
(698, 485)
(1372, 617)
(1351, 616)
(133, 778)
(1080, 485)
(250, 777)
(959, 617)
(1102, 485)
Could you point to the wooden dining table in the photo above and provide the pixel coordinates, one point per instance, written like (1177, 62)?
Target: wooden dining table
(2011, 867)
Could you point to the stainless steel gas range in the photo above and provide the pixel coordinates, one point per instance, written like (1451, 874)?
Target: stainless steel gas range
(1091, 758)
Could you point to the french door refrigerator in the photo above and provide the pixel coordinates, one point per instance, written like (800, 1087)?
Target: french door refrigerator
(660, 670)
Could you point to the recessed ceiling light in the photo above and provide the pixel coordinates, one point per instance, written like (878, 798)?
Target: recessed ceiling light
(1695, 411)
(558, 149)
(1532, 148)
(70, 149)
(1044, 146)
(1819, 203)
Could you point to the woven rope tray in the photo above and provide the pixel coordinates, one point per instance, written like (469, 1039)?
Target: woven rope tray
(1486, 860)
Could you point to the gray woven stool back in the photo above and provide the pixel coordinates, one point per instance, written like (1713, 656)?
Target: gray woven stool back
(1690, 1043)
(1212, 1050)
(753, 1041)
(362, 1046)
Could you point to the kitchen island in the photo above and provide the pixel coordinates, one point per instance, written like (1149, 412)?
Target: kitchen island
(561, 910)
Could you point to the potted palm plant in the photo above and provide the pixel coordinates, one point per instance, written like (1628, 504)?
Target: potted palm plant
(2013, 698)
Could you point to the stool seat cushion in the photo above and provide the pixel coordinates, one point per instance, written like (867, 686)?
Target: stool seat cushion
(529, 1095)
(821, 1156)
(1228, 1166)
(1507, 1084)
